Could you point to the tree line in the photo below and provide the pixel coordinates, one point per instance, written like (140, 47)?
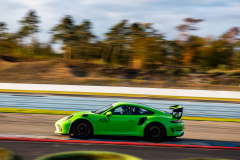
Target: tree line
(127, 44)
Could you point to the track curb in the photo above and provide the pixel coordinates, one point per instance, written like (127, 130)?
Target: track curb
(119, 143)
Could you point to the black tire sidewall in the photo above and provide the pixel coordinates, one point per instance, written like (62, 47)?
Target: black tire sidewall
(88, 134)
(149, 138)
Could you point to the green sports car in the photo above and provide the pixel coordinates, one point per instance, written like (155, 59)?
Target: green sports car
(124, 119)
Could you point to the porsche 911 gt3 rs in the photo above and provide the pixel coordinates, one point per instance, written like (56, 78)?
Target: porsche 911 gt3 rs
(124, 119)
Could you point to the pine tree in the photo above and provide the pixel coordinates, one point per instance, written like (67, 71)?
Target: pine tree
(64, 32)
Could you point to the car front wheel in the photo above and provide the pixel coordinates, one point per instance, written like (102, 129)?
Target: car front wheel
(155, 132)
(82, 129)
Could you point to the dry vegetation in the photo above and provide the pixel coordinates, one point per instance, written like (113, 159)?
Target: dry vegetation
(81, 73)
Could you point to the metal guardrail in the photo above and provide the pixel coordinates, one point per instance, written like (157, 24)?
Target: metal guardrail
(197, 109)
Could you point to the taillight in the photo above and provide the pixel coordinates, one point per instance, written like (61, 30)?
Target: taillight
(177, 121)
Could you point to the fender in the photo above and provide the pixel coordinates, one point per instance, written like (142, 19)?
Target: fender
(155, 122)
(82, 118)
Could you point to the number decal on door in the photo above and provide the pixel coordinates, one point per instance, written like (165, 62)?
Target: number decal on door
(104, 120)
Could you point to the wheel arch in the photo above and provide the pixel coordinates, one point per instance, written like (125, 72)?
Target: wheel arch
(149, 123)
(77, 120)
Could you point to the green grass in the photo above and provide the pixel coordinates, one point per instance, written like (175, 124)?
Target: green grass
(121, 95)
(58, 112)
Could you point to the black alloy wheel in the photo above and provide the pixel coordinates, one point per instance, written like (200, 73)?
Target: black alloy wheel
(82, 129)
(155, 132)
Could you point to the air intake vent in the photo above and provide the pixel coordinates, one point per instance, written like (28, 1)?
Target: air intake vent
(84, 115)
(142, 120)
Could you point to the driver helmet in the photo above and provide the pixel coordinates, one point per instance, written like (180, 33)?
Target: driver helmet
(124, 110)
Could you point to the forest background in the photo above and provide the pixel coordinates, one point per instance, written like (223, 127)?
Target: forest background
(130, 54)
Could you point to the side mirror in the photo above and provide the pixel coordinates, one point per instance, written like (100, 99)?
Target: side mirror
(108, 113)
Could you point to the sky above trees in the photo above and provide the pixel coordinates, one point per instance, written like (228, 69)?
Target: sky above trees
(218, 15)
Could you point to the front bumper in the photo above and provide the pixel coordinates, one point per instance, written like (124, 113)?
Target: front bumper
(62, 127)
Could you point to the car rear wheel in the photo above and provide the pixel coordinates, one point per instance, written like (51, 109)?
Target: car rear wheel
(155, 132)
(82, 129)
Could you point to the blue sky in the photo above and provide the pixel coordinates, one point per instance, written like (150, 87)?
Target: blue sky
(219, 15)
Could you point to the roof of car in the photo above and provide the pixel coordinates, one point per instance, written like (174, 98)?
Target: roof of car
(136, 104)
(129, 103)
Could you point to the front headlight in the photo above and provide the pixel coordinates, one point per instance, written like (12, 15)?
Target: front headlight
(68, 117)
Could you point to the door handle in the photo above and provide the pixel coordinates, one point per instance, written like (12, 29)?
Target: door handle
(131, 121)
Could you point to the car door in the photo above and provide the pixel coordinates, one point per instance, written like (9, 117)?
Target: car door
(120, 122)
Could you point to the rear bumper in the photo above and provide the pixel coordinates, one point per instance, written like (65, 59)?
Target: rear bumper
(176, 134)
(175, 130)
(181, 134)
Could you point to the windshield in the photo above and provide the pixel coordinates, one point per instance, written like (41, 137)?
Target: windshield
(100, 111)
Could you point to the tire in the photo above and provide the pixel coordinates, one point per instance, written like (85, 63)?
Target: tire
(82, 129)
(155, 132)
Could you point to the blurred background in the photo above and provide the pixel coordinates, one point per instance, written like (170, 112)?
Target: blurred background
(132, 43)
(129, 43)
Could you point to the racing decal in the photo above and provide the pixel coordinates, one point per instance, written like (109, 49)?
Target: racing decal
(104, 120)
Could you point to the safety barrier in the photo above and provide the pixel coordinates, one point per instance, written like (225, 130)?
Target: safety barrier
(197, 109)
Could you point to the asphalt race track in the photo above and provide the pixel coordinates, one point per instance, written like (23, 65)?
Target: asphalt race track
(31, 150)
(42, 126)
(201, 133)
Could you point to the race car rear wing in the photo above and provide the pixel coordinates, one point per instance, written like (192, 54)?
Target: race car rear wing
(177, 111)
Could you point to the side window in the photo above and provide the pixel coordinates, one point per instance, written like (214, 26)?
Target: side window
(142, 111)
(123, 110)
(116, 111)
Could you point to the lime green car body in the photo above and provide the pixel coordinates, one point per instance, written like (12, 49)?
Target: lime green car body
(106, 123)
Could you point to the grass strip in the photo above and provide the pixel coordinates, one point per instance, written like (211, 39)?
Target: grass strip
(35, 111)
(58, 112)
(121, 95)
